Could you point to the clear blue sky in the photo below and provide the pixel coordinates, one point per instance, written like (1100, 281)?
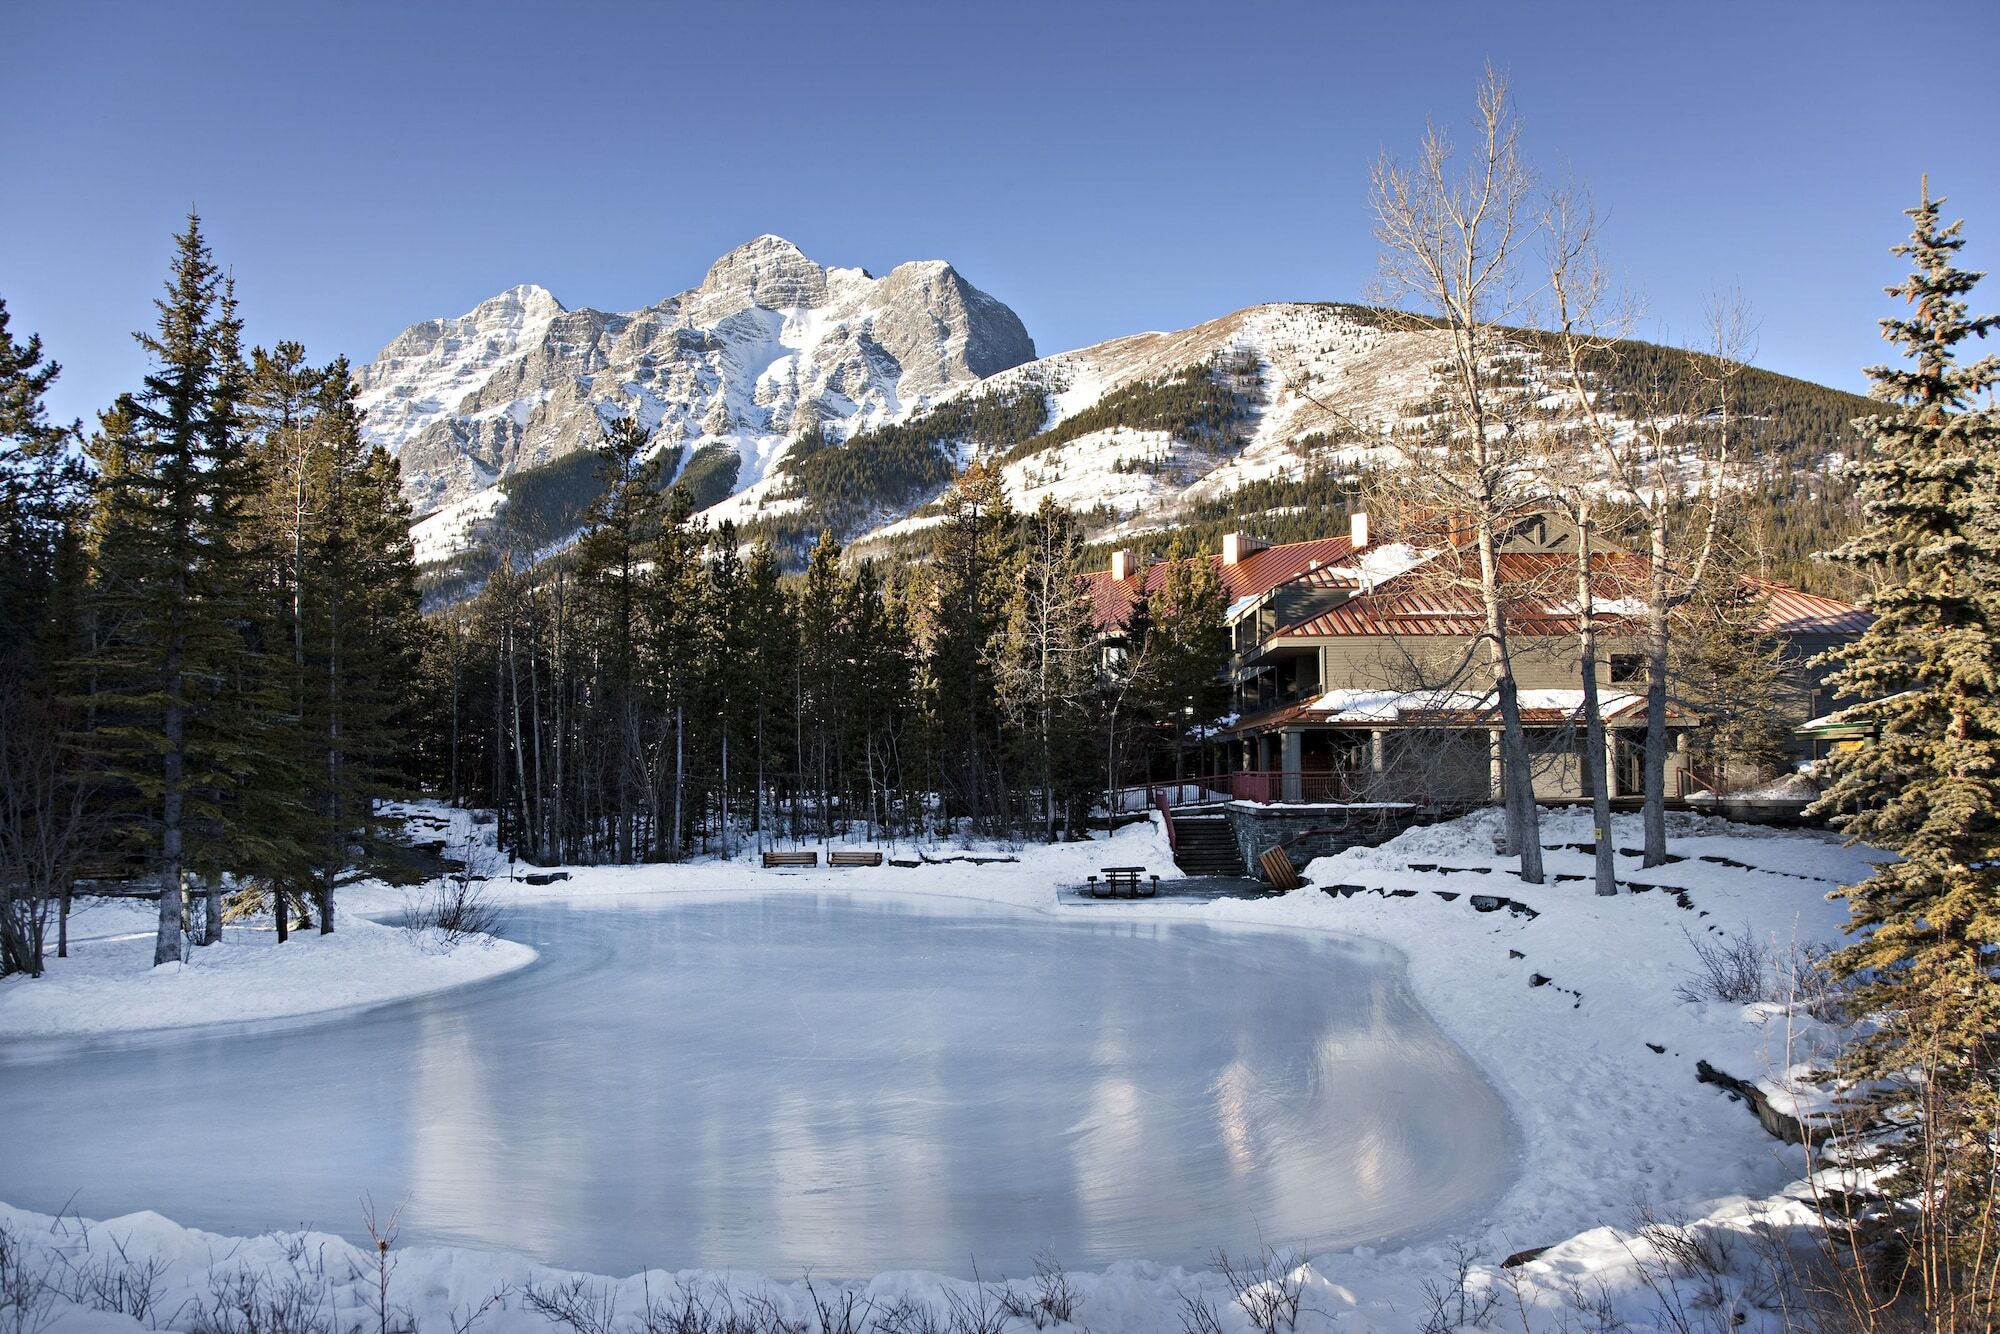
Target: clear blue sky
(1103, 168)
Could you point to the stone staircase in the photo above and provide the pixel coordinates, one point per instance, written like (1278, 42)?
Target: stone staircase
(1205, 845)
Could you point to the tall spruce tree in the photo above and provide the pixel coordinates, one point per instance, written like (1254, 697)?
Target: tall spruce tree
(174, 481)
(972, 571)
(1927, 787)
(1184, 685)
(42, 487)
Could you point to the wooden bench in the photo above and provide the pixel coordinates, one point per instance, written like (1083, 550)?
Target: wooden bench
(838, 857)
(790, 859)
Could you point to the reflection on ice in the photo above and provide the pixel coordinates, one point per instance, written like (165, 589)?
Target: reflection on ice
(782, 1081)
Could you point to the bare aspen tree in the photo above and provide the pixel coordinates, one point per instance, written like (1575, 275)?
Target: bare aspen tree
(1452, 233)
(1578, 473)
(1664, 457)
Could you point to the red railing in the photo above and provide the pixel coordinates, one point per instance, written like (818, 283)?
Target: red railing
(1266, 786)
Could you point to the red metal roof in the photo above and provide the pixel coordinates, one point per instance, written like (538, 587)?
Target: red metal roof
(1443, 598)
(1111, 600)
(1439, 600)
(1792, 612)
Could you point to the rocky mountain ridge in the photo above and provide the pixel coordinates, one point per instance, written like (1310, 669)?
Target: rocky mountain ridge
(769, 347)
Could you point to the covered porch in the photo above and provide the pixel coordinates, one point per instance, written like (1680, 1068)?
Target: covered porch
(1422, 749)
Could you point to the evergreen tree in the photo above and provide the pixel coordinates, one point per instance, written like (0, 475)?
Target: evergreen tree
(610, 554)
(972, 572)
(42, 487)
(1185, 686)
(672, 592)
(826, 678)
(46, 824)
(770, 644)
(882, 669)
(1733, 682)
(1927, 788)
(175, 479)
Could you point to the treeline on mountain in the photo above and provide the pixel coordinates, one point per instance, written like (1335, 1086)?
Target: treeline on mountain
(665, 695)
(1195, 405)
(545, 505)
(208, 631)
(883, 471)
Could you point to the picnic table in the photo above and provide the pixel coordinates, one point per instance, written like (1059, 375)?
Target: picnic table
(1122, 882)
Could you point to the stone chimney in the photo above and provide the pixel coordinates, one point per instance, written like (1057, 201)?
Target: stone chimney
(1357, 529)
(1239, 547)
(1123, 566)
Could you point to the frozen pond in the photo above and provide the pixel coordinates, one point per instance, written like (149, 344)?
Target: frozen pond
(850, 1083)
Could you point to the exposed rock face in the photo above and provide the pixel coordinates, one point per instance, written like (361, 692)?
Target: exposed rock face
(769, 345)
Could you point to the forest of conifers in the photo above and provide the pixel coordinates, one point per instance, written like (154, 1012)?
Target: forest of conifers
(216, 667)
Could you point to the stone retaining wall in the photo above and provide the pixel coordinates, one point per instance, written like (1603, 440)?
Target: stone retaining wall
(1309, 831)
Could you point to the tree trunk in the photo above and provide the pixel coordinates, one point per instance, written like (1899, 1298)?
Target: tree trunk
(1654, 806)
(1606, 868)
(211, 911)
(173, 770)
(1517, 779)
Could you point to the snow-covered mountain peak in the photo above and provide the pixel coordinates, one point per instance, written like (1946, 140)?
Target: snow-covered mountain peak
(768, 272)
(769, 345)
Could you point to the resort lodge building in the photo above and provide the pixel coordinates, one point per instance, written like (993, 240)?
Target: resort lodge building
(1358, 668)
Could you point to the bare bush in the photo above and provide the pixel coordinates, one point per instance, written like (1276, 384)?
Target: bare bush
(456, 909)
(111, 1280)
(1744, 967)
(1734, 969)
(1270, 1288)
(1198, 1314)
(1049, 1300)
(576, 1303)
(25, 1296)
(1452, 1304)
(252, 1300)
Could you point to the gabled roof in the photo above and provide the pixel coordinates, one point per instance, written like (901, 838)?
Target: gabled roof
(1431, 601)
(1793, 612)
(1440, 600)
(1253, 576)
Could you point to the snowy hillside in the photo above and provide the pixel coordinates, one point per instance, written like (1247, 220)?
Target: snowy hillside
(1252, 417)
(767, 347)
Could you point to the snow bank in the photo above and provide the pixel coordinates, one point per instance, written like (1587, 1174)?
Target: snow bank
(106, 985)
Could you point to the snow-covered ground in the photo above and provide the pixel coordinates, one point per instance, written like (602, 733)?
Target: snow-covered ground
(105, 986)
(1569, 1007)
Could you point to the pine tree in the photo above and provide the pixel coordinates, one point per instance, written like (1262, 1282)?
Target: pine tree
(1733, 681)
(610, 555)
(174, 480)
(883, 675)
(46, 817)
(771, 644)
(1927, 788)
(826, 681)
(972, 571)
(42, 487)
(1185, 685)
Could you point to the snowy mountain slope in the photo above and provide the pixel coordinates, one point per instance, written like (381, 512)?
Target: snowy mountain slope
(1253, 418)
(767, 347)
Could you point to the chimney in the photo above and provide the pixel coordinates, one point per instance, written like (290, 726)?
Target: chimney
(1239, 547)
(1123, 566)
(1357, 529)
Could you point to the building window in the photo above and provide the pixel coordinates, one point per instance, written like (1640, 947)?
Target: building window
(1627, 669)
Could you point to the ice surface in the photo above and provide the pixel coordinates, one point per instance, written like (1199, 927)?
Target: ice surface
(853, 1084)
